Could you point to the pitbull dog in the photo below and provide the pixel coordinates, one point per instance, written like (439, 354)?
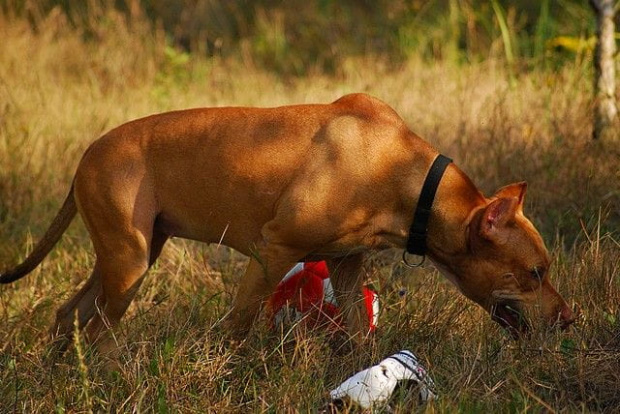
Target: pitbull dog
(283, 185)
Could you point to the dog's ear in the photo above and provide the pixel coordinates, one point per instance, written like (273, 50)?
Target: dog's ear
(499, 213)
(516, 190)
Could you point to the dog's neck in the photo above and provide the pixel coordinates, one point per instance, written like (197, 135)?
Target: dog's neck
(455, 204)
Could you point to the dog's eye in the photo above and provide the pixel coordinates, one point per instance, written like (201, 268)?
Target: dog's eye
(537, 272)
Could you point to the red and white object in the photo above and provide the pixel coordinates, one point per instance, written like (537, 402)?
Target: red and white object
(306, 292)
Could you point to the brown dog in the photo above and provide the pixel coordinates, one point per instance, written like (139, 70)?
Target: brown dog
(286, 184)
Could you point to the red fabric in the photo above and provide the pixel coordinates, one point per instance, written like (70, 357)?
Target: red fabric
(303, 292)
(369, 297)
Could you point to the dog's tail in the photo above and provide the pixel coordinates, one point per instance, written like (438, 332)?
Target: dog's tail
(45, 245)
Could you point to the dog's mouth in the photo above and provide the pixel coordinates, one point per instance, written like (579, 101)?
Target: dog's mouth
(509, 315)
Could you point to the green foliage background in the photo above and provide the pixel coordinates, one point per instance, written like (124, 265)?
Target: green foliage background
(300, 36)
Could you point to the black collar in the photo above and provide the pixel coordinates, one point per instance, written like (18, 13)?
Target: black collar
(416, 243)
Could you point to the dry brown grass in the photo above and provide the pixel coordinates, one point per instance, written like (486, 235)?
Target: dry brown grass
(58, 93)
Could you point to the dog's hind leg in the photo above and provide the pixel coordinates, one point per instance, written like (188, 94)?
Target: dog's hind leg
(126, 242)
(87, 299)
(122, 265)
(83, 302)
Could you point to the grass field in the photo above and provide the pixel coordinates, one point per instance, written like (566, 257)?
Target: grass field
(58, 93)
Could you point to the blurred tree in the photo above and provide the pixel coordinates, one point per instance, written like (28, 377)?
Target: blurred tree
(606, 122)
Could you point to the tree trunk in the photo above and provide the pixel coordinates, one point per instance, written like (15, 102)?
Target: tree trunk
(606, 122)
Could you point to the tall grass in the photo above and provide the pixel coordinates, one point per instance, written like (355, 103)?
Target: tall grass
(60, 90)
(298, 37)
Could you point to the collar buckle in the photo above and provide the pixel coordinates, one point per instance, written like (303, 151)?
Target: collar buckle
(412, 265)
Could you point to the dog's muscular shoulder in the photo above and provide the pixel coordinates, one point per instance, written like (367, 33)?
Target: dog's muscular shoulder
(351, 179)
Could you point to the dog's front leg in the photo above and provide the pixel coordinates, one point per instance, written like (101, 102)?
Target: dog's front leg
(268, 264)
(347, 278)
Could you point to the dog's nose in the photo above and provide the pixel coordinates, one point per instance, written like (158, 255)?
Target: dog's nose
(566, 316)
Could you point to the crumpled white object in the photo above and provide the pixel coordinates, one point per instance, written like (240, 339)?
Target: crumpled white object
(375, 385)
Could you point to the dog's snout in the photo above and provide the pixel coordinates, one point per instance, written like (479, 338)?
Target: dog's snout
(566, 316)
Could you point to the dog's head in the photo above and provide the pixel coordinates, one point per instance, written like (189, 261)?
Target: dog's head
(505, 268)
